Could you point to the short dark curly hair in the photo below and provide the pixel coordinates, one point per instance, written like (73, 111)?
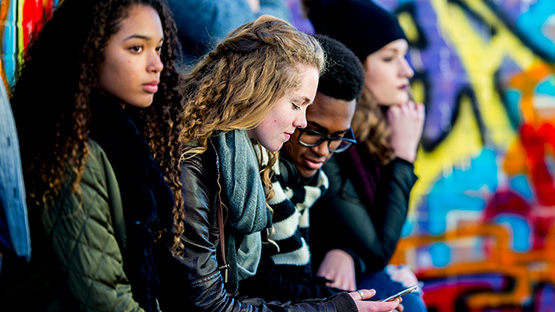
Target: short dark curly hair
(343, 78)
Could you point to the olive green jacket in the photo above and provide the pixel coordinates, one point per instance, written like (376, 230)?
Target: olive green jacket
(76, 261)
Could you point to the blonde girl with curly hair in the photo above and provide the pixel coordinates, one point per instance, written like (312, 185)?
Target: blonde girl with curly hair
(244, 98)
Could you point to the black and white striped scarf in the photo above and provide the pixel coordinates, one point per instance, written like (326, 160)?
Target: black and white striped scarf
(291, 205)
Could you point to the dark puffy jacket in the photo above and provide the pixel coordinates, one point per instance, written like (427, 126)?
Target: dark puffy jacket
(193, 282)
(368, 233)
(76, 262)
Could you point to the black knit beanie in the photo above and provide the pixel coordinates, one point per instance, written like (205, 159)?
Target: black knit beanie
(361, 25)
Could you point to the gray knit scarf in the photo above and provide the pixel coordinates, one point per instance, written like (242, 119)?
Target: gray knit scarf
(243, 195)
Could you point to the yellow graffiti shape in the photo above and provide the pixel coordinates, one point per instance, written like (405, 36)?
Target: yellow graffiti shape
(481, 60)
(463, 143)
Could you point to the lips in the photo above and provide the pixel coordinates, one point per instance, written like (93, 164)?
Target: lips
(288, 135)
(312, 164)
(151, 87)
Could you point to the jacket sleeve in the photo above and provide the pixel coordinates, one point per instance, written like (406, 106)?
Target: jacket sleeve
(202, 23)
(192, 280)
(392, 205)
(368, 234)
(84, 242)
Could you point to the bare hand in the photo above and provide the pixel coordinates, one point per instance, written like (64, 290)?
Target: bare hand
(339, 268)
(364, 305)
(407, 122)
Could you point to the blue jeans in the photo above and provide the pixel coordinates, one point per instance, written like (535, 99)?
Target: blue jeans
(385, 287)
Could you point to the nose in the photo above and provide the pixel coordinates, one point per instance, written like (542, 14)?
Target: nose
(155, 63)
(406, 70)
(322, 150)
(300, 120)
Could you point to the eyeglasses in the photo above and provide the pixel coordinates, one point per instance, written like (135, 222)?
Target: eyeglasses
(311, 138)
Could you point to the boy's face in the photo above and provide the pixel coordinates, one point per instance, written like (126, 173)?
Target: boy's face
(329, 116)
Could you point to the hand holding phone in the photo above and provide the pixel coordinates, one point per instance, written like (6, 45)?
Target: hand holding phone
(401, 293)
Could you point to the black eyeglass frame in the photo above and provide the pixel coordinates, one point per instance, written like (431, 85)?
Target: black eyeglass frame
(327, 138)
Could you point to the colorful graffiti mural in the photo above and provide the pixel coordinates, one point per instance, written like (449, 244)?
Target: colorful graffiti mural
(18, 21)
(481, 232)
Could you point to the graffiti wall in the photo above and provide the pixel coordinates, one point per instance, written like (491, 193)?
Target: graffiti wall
(480, 232)
(18, 20)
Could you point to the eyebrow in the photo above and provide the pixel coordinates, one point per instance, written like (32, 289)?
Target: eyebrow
(304, 99)
(136, 36)
(398, 49)
(394, 50)
(325, 130)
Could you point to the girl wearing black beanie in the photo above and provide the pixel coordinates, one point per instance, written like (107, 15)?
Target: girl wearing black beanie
(367, 203)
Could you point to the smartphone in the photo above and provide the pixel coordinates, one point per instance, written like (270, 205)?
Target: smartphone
(401, 293)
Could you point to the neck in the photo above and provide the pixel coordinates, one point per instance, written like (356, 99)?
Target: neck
(250, 133)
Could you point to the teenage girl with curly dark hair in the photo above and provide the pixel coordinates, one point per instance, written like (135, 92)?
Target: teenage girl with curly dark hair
(96, 107)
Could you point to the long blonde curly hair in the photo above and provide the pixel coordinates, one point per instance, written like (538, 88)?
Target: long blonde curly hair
(237, 84)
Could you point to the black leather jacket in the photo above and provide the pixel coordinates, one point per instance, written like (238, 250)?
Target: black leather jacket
(368, 233)
(193, 282)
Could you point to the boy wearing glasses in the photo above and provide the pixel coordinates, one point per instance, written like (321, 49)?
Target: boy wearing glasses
(299, 181)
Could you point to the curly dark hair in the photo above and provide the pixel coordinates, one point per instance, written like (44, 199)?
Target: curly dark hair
(52, 94)
(343, 78)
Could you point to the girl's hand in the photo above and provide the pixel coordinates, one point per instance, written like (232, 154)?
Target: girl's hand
(338, 267)
(364, 305)
(407, 122)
